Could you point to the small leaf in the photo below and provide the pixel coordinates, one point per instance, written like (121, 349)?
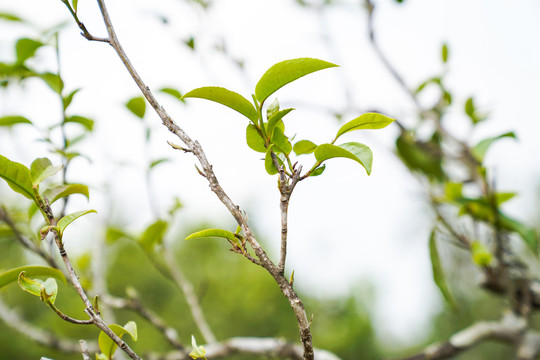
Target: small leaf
(304, 147)
(49, 290)
(26, 48)
(29, 285)
(68, 219)
(254, 139)
(438, 272)
(107, 346)
(480, 149)
(32, 271)
(41, 169)
(87, 123)
(62, 191)
(472, 112)
(74, 4)
(281, 141)
(225, 97)
(198, 351)
(424, 157)
(173, 92)
(137, 106)
(156, 162)
(13, 120)
(275, 119)
(318, 171)
(53, 80)
(10, 17)
(444, 53)
(285, 72)
(269, 165)
(272, 108)
(365, 121)
(481, 255)
(17, 177)
(213, 233)
(354, 151)
(153, 235)
(66, 100)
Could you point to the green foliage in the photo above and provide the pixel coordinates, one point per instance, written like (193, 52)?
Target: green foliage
(17, 177)
(68, 219)
(480, 149)
(352, 150)
(13, 120)
(107, 346)
(41, 169)
(137, 105)
(438, 271)
(225, 97)
(62, 191)
(365, 121)
(32, 271)
(153, 235)
(45, 290)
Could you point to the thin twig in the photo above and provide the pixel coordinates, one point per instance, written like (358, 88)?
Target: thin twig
(84, 350)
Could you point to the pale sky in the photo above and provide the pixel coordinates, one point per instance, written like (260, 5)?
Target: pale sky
(346, 228)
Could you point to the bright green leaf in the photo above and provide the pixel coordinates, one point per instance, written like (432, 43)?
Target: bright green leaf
(10, 17)
(105, 343)
(480, 254)
(74, 4)
(254, 139)
(272, 108)
(285, 72)
(17, 176)
(281, 141)
(213, 233)
(480, 149)
(53, 80)
(26, 48)
(68, 219)
(88, 124)
(137, 106)
(29, 285)
(198, 352)
(304, 147)
(49, 290)
(41, 169)
(156, 162)
(173, 92)
(225, 97)
(354, 151)
(269, 165)
(32, 271)
(13, 120)
(62, 191)
(153, 235)
(274, 120)
(66, 100)
(438, 272)
(318, 171)
(444, 53)
(365, 121)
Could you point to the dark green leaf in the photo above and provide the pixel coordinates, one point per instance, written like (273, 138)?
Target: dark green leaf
(62, 191)
(13, 120)
(354, 151)
(68, 219)
(480, 149)
(438, 272)
(88, 124)
(105, 343)
(17, 176)
(275, 119)
(304, 147)
(41, 169)
(54, 81)
(32, 271)
(424, 157)
(153, 235)
(213, 233)
(137, 106)
(226, 97)
(254, 139)
(365, 121)
(26, 48)
(285, 72)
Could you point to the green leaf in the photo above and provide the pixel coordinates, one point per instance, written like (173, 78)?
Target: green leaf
(29, 285)
(318, 171)
(10, 17)
(87, 123)
(13, 120)
(424, 157)
(41, 169)
(472, 112)
(480, 149)
(153, 235)
(225, 234)
(269, 165)
(49, 290)
(137, 106)
(365, 121)
(17, 177)
(61, 191)
(304, 147)
(53, 80)
(66, 100)
(254, 139)
(354, 151)
(68, 219)
(438, 272)
(272, 108)
(285, 72)
(225, 97)
(480, 254)
(281, 141)
(275, 119)
(26, 48)
(46, 290)
(74, 4)
(444, 53)
(32, 271)
(107, 346)
(173, 92)
(198, 352)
